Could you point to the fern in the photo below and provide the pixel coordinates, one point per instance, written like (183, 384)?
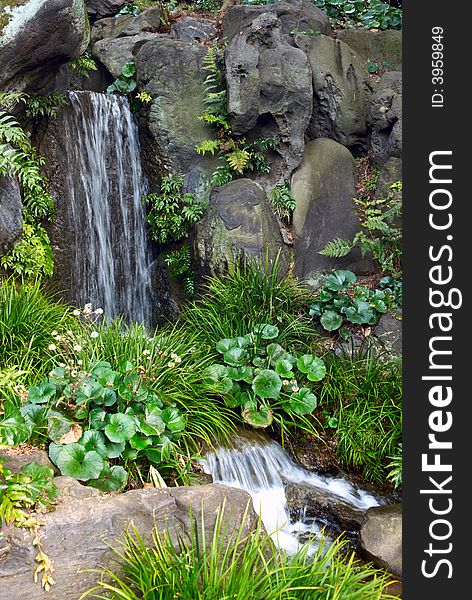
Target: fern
(44, 106)
(180, 267)
(338, 248)
(282, 201)
(238, 160)
(210, 146)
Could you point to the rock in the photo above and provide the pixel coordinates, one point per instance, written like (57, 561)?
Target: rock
(10, 213)
(269, 86)
(36, 38)
(388, 332)
(313, 455)
(341, 92)
(14, 461)
(293, 14)
(386, 118)
(323, 504)
(127, 25)
(390, 173)
(172, 72)
(114, 53)
(380, 537)
(77, 534)
(239, 222)
(384, 48)
(97, 9)
(324, 186)
(70, 489)
(190, 28)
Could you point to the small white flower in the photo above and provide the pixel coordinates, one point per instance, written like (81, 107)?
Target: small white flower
(54, 333)
(73, 373)
(295, 388)
(77, 347)
(178, 359)
(146, 352)
(76, 312)
(94, 334)
(80, 362)
(285, 382)
(171, 364)
(88, 306)
(99, 311)
(62, 365)
(52, 347)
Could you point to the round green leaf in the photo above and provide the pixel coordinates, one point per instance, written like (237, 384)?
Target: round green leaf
(331, 320)
(42, 393)
(140, 442)
(302, 402)
(152, 424)
(94, 440)
(120, 428)
(14, 429)
(312, 366)
(129, 69)
(173, 419)
(267, 384)
(97, 418)
(58, 425)
(227, 344)
(257, 417)
(241, 373)
(235, 357)
(111, 479)
(74, 461)
(283, 367)
(215, 372)
(339, 280)
(266, 331)
(114, 450)
(275, 351)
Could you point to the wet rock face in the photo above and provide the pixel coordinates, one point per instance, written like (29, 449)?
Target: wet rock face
(269, 82)
(386, 118)
(239, 222)
(77, 535)
(189, 28)
(341, 92)
(38, 38)
(301, 15)
(380, 537)
(10, 214)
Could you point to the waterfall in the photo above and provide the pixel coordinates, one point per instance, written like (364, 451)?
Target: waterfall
(262, 467)
(105, 185)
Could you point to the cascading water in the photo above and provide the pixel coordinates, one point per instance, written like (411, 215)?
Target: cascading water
(261, 467)
(105, 185)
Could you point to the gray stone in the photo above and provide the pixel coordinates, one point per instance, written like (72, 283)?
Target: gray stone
(388, 331)
(77, 535)
(386, 118)
(14, 461)
(293, 14)
(69, 489)
(36, 38)
(269, 87)
(239, 222)
(97, 9)
(114, 53)
(126, 25)
(380, 537)
(390, 173)
(381, 47)
(190, 28)
(172, 72)
(323, 504)
(324, 186)
(341, 91)
(10, 214)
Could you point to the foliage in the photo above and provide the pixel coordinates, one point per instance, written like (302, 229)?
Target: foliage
(251, 293)
(44, 106)
(362, 13)
(261, 377)
(172, 212)
(339, 301)
(282, 201)
(83, 64)
(31, 487)
(227, 564)
(235, 154)
(180, 267)
(395, 467)
(126, 82)
(380, 233)
(31, 255)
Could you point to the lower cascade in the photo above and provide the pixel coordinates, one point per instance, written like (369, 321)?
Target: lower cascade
(106, 185)
(263, 468)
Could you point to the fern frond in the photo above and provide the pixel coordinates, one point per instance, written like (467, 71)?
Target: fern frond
(208, 146)
(337, 248)
(238, 160)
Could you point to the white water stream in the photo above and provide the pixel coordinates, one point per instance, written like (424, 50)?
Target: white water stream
(105, 187)
(260, 467)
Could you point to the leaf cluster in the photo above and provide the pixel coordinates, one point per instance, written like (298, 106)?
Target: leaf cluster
(83, 64)
(180, 266)
(362, 13)
(282, 201)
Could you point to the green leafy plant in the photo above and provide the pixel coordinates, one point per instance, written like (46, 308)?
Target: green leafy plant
(32, 255)
(395, 467)
(44, 106)
(126, 82)
(130, 9)
(380, 233)
(260, 376)
(282, 201)
(180, 267)
(223, 563)
(362, 13)
(172, 212)
(83, 64)
(340, 301)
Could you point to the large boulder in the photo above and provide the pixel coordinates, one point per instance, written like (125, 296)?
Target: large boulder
(341, 91)
(190, 28)
(78, 534)
(324, 186)
(97, 9)
(10, 214)
(172, 72)
(113, 53)
(386, 118)
(384, 48)
(239, 222)
(294, 15)
(36, 38)
(127, 25)
(380, 537)
(14, 460)
(269, 87)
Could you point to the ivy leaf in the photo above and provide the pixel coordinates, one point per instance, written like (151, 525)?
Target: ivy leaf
(173, 419)
(302, 402)
(267, 384)
(94, 440)
(312, 366)
(111, 479)
(74, 461)
(331, 320)
(42, 393)
(266, 331)
(120, 428)
(339, 280)
(257, 417)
